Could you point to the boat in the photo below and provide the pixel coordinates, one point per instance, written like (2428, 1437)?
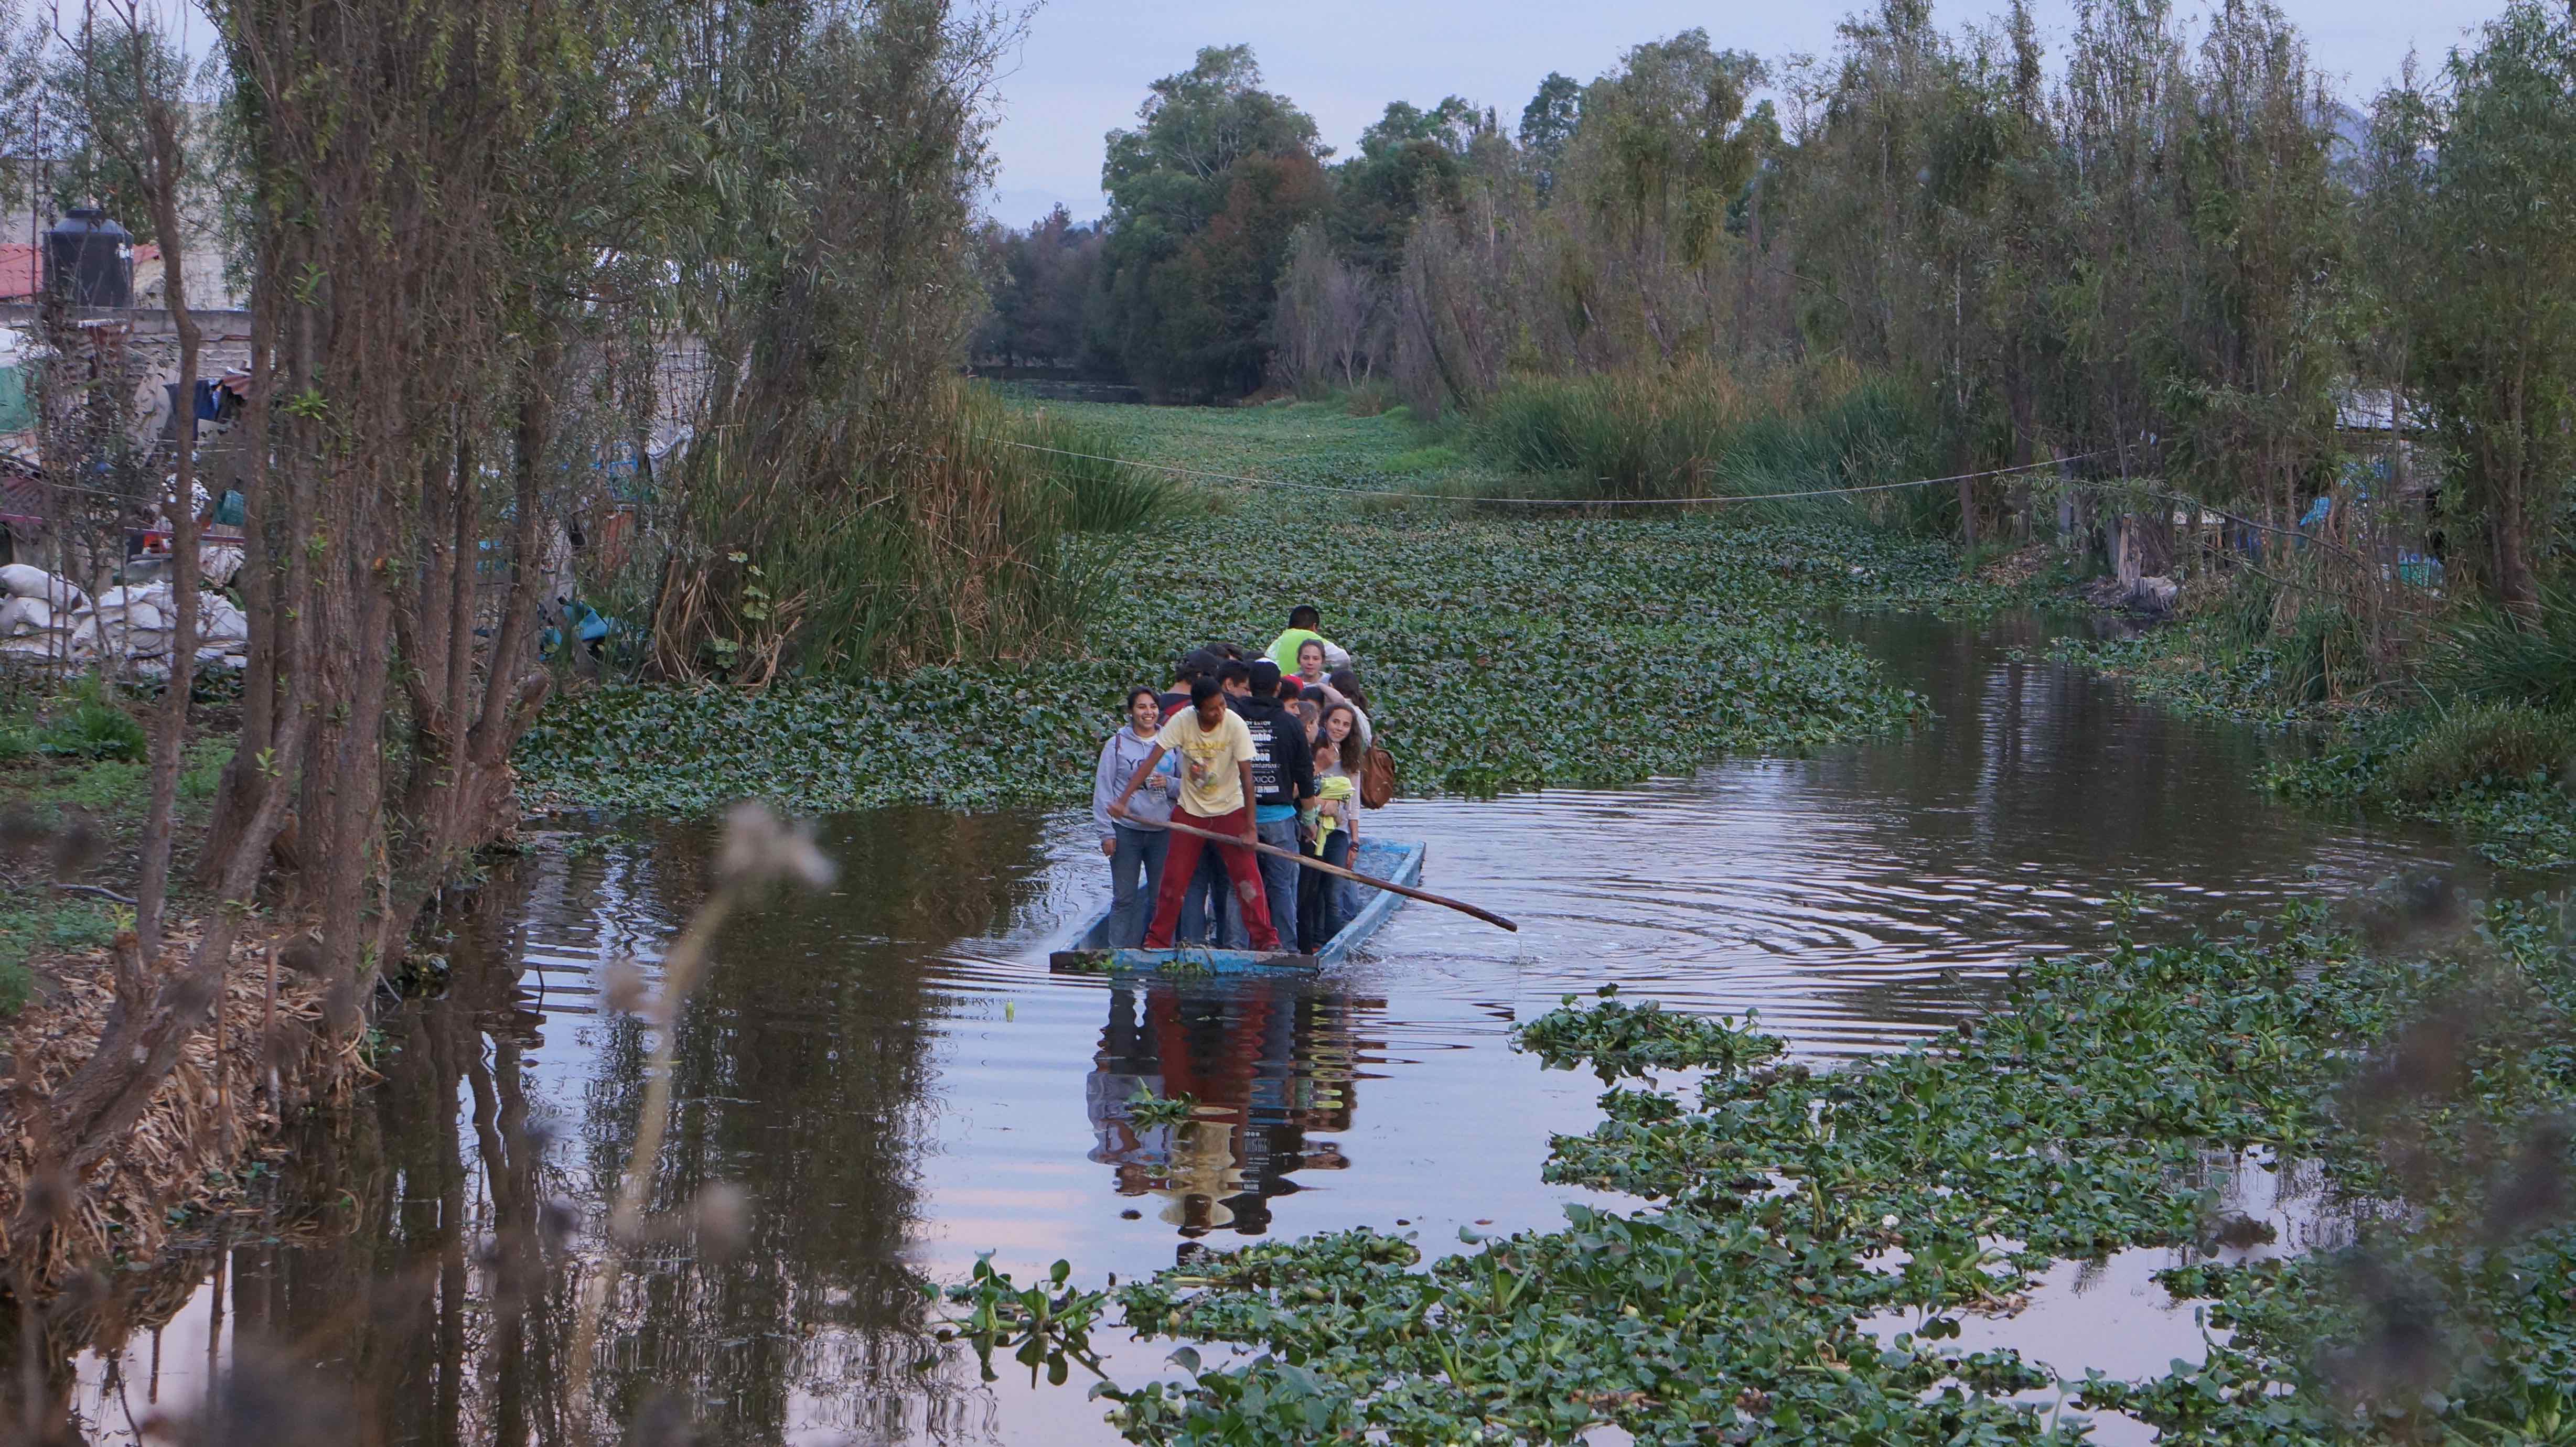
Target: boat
(1393, 860)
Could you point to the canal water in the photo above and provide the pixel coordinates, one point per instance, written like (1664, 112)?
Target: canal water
(878, 1084)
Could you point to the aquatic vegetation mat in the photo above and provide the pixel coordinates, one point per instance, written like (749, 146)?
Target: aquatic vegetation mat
(2094, 1114)
(2514, 795)
(1500, 652)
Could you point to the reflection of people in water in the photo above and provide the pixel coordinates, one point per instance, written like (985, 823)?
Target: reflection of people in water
(1266, 1061)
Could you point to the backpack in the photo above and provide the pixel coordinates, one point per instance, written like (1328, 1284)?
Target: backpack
(1377, 778)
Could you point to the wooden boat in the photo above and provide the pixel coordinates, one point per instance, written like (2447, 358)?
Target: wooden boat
(1396, 861)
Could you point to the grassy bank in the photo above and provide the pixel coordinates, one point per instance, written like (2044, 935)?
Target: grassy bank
(1820, 1237)
(73, 789)
(1502, 651)
(2472, 726)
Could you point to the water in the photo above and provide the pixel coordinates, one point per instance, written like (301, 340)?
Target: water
(896, 1080)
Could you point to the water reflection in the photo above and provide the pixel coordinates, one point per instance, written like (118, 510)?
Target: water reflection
(1273, 1064)
(897, 1083)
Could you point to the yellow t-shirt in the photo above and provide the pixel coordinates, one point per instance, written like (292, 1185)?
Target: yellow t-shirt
(1211, 760)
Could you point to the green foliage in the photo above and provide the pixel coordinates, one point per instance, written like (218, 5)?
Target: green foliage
(1705, 432)
(202, 771)
(17, 743)
(94, 729)
(57, 929)
(2467, 183)
(1098, 496)
(1671, 141)
(1204, 196)
(2498, 744)
(1410, 161)
(1691, 636)
(2495, 657)
(1429, 461)
(1038, 280)
(947, 550)
(2498, 772)
(1047, 1325)
(2085, 1117)
(1624, 1040)
(1147, 1111)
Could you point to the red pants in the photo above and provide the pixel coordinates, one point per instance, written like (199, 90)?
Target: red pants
(1181, 861)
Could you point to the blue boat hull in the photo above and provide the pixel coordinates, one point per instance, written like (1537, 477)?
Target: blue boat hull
(1396, 861)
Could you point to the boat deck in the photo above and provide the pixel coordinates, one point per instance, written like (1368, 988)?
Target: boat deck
(1394, 860)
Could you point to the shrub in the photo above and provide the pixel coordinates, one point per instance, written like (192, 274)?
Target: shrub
(17, 743)
(2504, 743)
(1368, 399)
(94, 730)
(2496, 658)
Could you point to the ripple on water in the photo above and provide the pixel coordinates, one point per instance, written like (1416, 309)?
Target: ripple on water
(896, 1080)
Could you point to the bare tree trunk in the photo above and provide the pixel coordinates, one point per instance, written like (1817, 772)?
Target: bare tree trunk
(170, 736)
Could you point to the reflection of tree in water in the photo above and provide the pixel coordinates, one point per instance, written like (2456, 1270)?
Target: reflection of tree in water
(802, 1076)
(438, 1290)
(1267, 1060)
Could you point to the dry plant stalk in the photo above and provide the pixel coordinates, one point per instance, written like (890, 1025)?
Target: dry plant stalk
(758, 849)
(122, 1197)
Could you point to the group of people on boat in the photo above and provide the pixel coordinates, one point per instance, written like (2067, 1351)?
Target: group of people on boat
(1266, 748)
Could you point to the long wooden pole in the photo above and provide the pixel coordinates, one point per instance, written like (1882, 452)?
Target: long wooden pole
(1311, 862)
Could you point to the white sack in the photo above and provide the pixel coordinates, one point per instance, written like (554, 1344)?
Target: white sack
(141, 595)
(21, 616)
(25, 580)
(219, 563)
(220, 622)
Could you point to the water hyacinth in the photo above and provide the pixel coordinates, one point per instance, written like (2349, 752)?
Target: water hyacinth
(1767, 1300)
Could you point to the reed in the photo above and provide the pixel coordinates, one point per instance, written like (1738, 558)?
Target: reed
(1708, 430)
(947, 546)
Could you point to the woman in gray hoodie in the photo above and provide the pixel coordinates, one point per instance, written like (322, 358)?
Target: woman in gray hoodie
(1133, 850)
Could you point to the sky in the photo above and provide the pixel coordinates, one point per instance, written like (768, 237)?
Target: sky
(1085, 63)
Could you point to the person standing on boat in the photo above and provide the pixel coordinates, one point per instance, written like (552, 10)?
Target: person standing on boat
(1283, 782)
(1322, 909)
(1216, 795)
(1303, 620)
(1135, 849)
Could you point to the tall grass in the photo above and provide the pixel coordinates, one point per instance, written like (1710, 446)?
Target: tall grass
(949, 546)
(1705, 430)
(1100, 496)
(2492, 657)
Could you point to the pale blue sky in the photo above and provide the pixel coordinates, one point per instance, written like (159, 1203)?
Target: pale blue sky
(1086, 63)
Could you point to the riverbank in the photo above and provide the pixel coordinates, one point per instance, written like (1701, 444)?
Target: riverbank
(74, 787)
(270, 1051)
(1823, 1238)
(2477, 732)
(1503, 649)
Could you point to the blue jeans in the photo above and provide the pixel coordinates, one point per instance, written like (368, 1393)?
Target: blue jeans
(1279, 879)
(1320, 911)
(1131, 900)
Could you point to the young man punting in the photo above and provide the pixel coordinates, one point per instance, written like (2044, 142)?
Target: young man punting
(1216, 795)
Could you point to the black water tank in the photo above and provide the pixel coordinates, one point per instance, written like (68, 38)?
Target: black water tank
(88, 261)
